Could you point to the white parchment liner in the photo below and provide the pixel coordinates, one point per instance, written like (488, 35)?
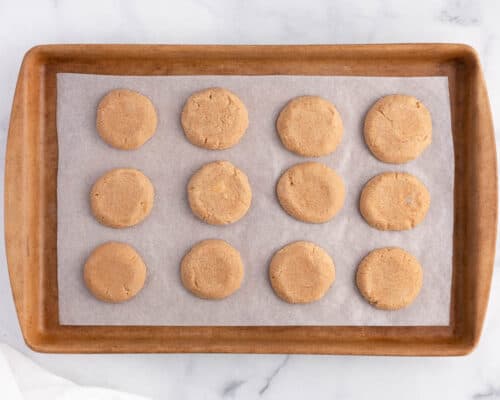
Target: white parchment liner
(168, 159)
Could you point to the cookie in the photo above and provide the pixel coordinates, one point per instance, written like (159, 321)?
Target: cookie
(214, 119)
(219, 193)
(394, 201)
(310, 126)
(311, 192)
(301, 272)
(114, 272)
(126, 119)
(212, 269)
(389, 278)
(122, 197)
(398, 129)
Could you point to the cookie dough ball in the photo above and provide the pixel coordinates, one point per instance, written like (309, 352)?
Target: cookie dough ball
(389, 278)
(114, 272)
(126, 119)
(398, 129)
(301, 272)
(219, 193)
(214, 119)
(122, 197)
(212, 269)
(310, 126)
(394, 201)
(311, 192)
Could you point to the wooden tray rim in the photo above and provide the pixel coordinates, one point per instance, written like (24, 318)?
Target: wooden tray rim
(438, 341)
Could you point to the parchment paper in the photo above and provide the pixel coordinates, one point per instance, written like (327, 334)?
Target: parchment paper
(168, 159)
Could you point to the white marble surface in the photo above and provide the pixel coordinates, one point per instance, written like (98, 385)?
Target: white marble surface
(24, 24)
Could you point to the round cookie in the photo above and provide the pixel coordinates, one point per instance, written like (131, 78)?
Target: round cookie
(310, 126)
(122, 197)
(389, 278)
(301, 272)
(394, 201)
(398, 128)
(212, 269)
(126, 119)
(219, 193)
(311, 192)
(114, 272)
(214, 119)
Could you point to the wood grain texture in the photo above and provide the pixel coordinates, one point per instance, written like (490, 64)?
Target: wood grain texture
(31, 196)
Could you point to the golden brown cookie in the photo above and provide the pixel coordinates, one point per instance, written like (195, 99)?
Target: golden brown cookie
(310, 126)
(214, 119)
(219, 193)
(114, 272)
(389, 278)
(398, 128)
(394, 201)
(301, 272)
(311, 192)
(126, 119)
(122, 197)
(212, 269)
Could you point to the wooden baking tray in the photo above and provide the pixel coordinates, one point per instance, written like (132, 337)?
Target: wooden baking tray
(31, 196)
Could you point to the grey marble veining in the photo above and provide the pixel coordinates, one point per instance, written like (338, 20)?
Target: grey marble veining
(462, 13)
(202, 376)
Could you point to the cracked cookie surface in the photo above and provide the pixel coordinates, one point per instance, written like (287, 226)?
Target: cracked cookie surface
(114, 272)
(389, 278)
(126, 119)
(214, 119)
(219, 193)
(301, 272)
(311, 192)
(122, 197)
(212, 269)
(394, 201)
(310, 126)
(398, 128)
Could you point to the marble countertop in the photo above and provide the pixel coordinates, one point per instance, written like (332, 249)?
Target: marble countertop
(27, 23)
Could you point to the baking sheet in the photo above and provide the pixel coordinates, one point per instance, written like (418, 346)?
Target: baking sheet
(169, 160)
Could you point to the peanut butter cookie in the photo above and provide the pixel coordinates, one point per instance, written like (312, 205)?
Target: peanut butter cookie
(310, 126)
(311, 192)
(212, 269)
(122, 197)
(389, 278)
(126, 119)
(394, 201)
(214, 119)
(219, 193)
(301, 272)
(398, 128)
(114, 272)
